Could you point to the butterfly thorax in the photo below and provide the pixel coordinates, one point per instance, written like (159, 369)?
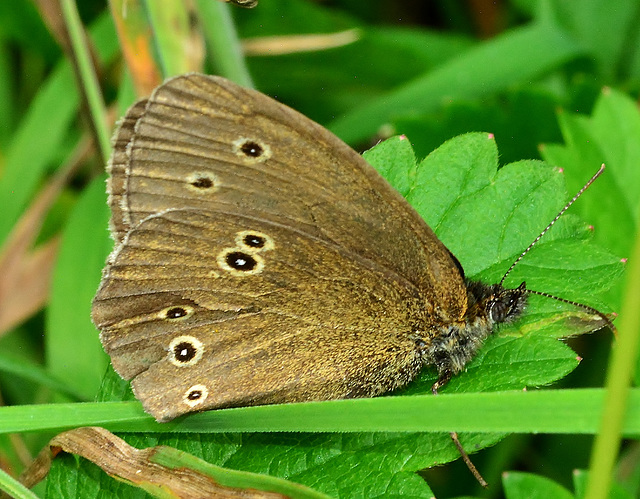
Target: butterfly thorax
(455, 344)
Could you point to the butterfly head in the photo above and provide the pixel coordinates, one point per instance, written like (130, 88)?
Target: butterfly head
(506, 305)
(495, 304)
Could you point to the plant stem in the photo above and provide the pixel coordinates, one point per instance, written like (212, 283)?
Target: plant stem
(223, 42)
(619, 377)
(87, 76)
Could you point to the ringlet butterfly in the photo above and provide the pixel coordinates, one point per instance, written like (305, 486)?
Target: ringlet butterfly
(258, 260)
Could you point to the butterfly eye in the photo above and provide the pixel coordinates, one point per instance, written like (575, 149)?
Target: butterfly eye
(252, 150)
(195, 395)
(508, 304)
(185, 351)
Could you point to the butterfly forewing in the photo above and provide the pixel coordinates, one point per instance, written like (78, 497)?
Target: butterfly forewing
(118, 167)
(203, 142)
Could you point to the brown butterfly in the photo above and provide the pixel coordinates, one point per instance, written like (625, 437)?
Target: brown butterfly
(260, 260)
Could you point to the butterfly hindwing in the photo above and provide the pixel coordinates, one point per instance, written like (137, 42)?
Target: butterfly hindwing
(272, 314)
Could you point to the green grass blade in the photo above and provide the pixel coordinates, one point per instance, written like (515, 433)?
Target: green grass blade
(516, 56)
(545, 411)
(617, 407)
(88, 77)
(14, 488)
(223, 42)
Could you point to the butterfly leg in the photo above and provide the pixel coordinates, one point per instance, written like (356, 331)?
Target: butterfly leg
(444, 378)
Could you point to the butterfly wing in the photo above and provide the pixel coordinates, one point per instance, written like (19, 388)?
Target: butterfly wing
(203, 142)
(210, 309)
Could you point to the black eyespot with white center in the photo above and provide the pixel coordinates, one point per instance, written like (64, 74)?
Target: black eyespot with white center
(195, 395)
(202, 182)
(176, 313)
(254, 241)
(185, 351)
(241, 261)
(252, 150)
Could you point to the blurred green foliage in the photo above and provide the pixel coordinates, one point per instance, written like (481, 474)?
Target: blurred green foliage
(549, 79)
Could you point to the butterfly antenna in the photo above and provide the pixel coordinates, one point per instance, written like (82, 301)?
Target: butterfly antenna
(566, 207)
(607, 322)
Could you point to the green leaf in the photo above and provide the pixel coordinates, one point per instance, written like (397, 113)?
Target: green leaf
(394, 159)
(617, 491)
(520, 120)
(588, 22)
(73, 350)
(610, 136)
(532, 411)
(171, 28)
(326, 83)
(529, 486)
(14, 488)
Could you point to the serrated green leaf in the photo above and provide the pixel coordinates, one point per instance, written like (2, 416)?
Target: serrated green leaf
(394, 159)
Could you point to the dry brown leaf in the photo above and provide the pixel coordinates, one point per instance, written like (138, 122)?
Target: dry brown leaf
(51, 14)
(136, 466)
(290, 44)
(29, 294)
(24, 273)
